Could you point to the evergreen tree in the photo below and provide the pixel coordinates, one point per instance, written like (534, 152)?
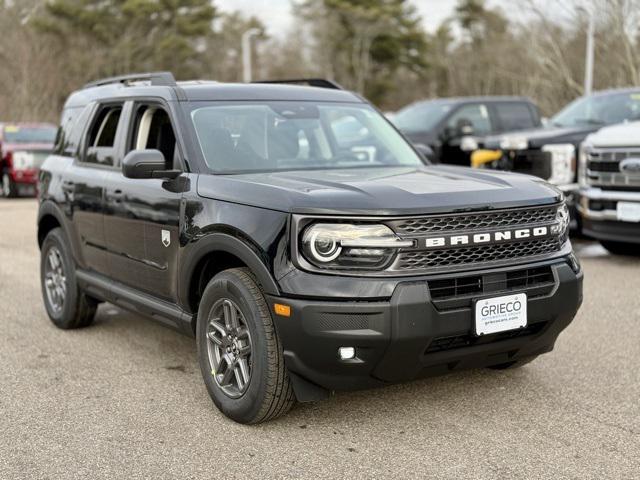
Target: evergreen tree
(116, 36)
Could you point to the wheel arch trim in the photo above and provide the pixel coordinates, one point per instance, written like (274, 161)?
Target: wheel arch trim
(223, 242)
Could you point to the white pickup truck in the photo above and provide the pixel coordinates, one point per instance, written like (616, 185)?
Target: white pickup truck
(610, 187)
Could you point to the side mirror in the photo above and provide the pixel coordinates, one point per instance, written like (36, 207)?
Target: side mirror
(146, 164)
(425, 151)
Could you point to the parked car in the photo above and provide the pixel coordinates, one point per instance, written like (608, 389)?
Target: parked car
(234, 213)
(23, 148)
(610, 187)
(550, 152)
(455, 127)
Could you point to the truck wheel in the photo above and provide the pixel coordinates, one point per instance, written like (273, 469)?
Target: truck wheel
(515, 364)
(621, 248)
(239, 350)
(67, 306)
(9, 189)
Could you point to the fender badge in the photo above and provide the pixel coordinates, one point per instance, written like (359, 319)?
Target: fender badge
(166, 238)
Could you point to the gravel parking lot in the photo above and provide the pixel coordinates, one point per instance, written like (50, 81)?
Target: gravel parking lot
(124, 399)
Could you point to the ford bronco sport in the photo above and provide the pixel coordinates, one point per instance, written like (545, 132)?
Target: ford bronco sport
(304, 260)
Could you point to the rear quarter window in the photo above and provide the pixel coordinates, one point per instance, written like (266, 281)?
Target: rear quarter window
(72, 124)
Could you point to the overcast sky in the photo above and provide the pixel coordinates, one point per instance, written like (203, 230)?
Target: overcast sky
(276, 14)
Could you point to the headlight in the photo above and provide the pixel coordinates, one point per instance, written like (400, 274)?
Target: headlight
(561, 225)
(514, 142)
(563, 163)
(349, 246)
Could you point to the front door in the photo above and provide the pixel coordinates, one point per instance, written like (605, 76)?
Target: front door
(142, 216)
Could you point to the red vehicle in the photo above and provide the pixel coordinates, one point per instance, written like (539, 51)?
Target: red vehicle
(23, 148)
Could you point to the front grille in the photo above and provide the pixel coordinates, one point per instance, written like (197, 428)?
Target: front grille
(460, 341)
(479, 284)
(475, 221)
(469, 256)
(459, 292)
(603, 167)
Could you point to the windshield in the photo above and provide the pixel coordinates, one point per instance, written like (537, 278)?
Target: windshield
(421, 117)
(245, 137)
(19, 134)
(600, 110)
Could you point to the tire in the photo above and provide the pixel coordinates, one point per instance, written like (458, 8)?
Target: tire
(234, 312)
(621, 248)
(9, 189)
(512, 365)
(76, 309)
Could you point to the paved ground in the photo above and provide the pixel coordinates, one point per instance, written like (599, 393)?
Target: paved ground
(124, 399)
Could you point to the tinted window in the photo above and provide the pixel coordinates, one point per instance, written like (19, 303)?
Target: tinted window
(72, 124)
(515, 116)
(102, 136)
(477, 115)
(153, 130)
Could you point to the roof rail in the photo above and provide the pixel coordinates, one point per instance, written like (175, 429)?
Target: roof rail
(164, 79)
(312, 82)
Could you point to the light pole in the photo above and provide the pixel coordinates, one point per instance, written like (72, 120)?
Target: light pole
(246, 53)
(588, 63)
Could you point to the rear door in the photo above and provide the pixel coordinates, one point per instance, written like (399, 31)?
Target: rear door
(84, 184)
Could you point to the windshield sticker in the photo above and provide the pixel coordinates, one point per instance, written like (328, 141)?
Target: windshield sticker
(12, 129)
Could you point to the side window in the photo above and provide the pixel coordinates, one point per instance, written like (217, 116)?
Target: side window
(153, 130)
(515, 116)
(477, 115)
(72, 124)
(102, 136)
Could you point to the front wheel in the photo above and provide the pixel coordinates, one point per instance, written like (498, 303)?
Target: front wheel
(239, 350)
(621, 248)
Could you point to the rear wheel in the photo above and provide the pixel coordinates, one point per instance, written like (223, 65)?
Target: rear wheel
(239, 350)
(9, 189)
(621, 248)
(66, 304)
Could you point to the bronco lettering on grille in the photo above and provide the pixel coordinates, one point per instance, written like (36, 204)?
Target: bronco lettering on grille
(494, 237)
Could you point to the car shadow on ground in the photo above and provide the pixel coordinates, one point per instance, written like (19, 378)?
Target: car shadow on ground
(176, 354)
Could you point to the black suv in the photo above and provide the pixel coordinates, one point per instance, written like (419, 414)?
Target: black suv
(236, 213)
(454, 127)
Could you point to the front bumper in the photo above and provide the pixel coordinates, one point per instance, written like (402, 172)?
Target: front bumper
(413, 334)
(598, 209)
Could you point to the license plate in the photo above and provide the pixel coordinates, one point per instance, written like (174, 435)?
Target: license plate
(629, 211)
(499, 314)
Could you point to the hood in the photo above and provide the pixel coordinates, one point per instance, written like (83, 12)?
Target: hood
(379, 191)
(621, 135)
(538, 137)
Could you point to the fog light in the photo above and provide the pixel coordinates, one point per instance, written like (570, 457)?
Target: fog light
(347, 353)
